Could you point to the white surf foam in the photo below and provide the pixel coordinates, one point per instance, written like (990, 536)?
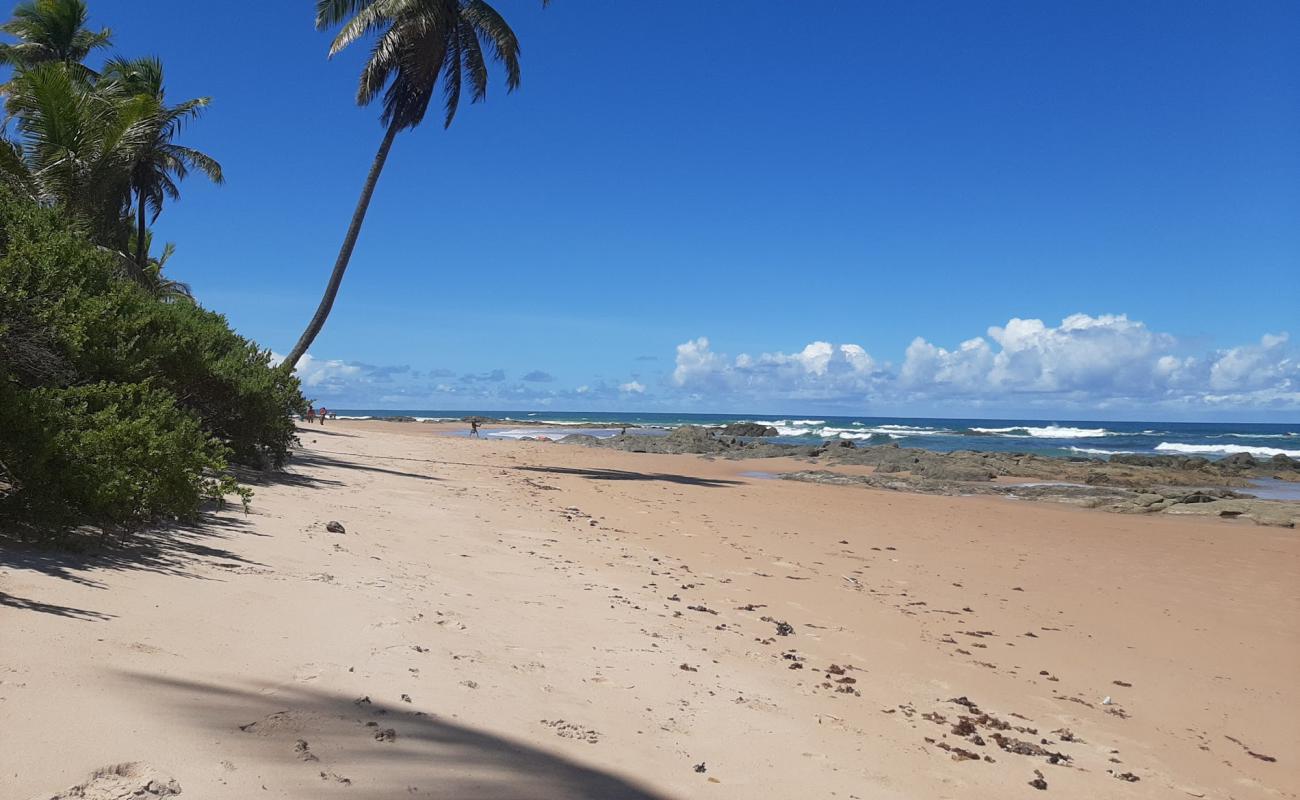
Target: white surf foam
(1097, 451)
(538, 433)
(1048, 432)
(1225, 449)
(858, 435)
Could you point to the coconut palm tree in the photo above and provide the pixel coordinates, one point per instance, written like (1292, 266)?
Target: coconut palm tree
(51, 30)
(76, 146)
(419, 44)
(159, 163)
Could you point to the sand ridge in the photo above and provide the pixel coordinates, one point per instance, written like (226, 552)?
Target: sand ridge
(520, 619)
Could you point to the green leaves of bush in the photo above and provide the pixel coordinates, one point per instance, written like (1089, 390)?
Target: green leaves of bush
(115, 407)
(120, 454)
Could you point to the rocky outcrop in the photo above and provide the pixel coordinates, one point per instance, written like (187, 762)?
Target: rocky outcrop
(586, 440)
(1168, 462)
(1136, 484)
(1237, 462)
(1203, 502)
(751, 429)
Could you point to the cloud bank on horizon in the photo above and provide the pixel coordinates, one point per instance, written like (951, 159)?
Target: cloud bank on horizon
(1107, 363)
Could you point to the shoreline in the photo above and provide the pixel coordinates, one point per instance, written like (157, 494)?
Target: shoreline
(1176, 484)
(587, 622)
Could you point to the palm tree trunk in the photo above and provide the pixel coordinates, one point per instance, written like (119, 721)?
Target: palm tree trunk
(141, 253)
(345, 253)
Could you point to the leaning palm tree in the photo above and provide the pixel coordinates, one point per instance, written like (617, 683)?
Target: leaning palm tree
(159, 163)
(420, 43)
(51, 30)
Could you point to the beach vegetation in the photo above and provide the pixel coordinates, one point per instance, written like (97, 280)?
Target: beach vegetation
(122, 401)
(117, 407)
(101, 143)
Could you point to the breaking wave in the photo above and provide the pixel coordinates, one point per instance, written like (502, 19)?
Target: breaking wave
(1225, 449)
(1048, 432)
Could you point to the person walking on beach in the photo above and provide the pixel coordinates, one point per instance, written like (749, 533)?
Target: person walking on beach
(311, 415)
(473, 429)
(323, 412)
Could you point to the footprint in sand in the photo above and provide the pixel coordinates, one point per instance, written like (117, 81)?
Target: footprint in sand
(572, 730)
(134, 779)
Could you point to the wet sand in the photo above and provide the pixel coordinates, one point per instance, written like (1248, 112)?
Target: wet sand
(528, 620)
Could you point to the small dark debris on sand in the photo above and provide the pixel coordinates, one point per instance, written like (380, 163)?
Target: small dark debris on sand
(330, 776)
(386, 735)
(1125, 684)
(783, 628)
(1249, 752)
(1125, 776)
(406, 698)
(304, 752)
(334, 526)
(700, 767)
(688, 668)
(704, 609)
(1038, 782)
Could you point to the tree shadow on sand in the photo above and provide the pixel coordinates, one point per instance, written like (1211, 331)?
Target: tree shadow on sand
(172, 549)
(630, 475)
(315, 458)
(303, 432)
(428, 755)
(23, 604)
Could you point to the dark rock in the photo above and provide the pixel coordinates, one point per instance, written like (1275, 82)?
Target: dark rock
(584, 439)
(335, 527)
(1237, 462)
(752, 429)
(946, 471)
(830, 444)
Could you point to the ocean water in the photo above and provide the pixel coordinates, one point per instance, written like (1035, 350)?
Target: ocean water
(1047, 437)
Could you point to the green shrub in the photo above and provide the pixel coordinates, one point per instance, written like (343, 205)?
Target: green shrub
(109, 329)
(116, 407)
(108, 454)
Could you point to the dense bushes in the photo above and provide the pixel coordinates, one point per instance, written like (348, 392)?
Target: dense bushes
(116, 407)
(110, 452)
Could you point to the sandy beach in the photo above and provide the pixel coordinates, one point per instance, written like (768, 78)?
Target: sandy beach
(509, 619)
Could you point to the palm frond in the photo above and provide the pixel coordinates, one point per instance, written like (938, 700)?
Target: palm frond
(471, 62)
(501, 40)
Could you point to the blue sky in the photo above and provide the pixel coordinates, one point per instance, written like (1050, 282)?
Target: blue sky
(770, 177)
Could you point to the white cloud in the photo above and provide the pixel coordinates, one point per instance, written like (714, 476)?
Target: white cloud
(1083, 363)
(1106, 361)
(694, 358)
(1109, 353)
(1254, 366)
(314, 372)
(819, 369)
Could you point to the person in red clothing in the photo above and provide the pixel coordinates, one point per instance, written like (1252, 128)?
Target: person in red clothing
(311, 415)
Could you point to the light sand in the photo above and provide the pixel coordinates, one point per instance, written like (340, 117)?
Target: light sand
(533, 620)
